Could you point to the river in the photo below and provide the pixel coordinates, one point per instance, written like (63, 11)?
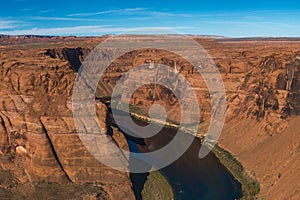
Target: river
(190, 177)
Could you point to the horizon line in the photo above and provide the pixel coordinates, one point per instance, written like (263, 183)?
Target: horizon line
(115, 34)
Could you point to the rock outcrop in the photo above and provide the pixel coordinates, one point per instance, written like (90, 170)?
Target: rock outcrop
(260, 87)
(74, 56)
(39, 143)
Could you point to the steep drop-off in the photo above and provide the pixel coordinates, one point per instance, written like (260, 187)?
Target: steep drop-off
(39, 144)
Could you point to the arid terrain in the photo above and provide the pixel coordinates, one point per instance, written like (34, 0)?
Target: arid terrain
(38, 139)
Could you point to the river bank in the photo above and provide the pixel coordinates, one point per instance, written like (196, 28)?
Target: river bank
(157, 187)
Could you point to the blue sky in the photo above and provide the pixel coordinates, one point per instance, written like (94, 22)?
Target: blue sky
(97, 17)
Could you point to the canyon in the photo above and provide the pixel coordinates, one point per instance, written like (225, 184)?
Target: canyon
(39, 144)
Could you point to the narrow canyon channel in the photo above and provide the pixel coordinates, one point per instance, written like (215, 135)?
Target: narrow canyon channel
(190, 177)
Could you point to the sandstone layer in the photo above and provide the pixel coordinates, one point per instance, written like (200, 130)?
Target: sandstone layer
(39, 142)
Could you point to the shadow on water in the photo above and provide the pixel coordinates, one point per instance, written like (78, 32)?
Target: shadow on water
(138, 180)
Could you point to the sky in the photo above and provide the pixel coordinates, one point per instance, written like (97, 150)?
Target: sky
(98, 17)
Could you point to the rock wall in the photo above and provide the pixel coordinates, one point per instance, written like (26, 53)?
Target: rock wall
(74, 56)
(263, 87)
(39, 142)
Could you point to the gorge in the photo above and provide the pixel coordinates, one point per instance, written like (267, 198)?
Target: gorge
(40, 148)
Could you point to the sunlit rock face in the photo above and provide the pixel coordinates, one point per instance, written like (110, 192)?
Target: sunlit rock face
(39, 142)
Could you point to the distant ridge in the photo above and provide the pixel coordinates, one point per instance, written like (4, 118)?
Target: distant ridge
(216, 37)
(259, 39)
(208, 36)
(33, 36)
(25, 36)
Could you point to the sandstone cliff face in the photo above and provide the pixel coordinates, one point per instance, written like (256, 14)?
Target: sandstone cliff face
(262, 85)
(38, 137)
(74, 56)
(261, 130)
(268, 92)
